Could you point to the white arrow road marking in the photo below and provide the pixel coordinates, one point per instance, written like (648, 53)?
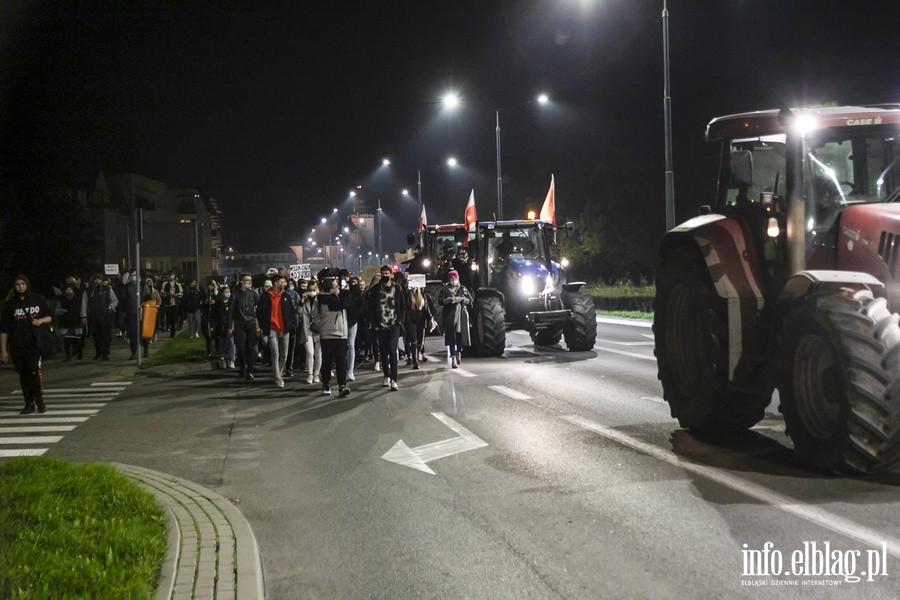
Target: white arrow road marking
(509, 392)
(417, 457)
(623, 353)
(790, 505)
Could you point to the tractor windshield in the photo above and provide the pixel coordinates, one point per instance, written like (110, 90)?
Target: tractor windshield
(516, 243)
(840, 167)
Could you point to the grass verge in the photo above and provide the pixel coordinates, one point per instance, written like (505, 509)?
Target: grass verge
(77, 531)
(179, 349)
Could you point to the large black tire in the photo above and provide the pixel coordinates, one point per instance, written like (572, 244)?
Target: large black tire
(691, 331)
(839, 382)
(488, 327)
(581, 331)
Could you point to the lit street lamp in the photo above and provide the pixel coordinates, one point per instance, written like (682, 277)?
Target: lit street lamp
(452, 101)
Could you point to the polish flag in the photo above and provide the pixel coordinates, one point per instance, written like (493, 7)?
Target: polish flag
(548, 210)
(423, 221)
(471, 217)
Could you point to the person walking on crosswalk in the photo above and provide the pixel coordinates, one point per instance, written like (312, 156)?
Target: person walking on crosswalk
(22, 314)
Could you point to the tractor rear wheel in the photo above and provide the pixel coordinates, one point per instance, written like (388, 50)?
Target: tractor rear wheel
(691, 332)
(489, 327)
(839, 382)
(581, 331)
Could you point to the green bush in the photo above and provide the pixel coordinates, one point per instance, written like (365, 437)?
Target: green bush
(622, 296)
(182, 348)
(77, 531)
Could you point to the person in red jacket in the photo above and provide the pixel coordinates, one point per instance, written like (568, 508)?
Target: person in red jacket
(277, 317)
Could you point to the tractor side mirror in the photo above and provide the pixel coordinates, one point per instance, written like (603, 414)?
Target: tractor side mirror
(570, 230)
(741, 169)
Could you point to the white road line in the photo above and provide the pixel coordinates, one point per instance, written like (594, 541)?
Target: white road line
(630, 343)
(790, 505)
(509, 392)
(37, 429)
(56, 404)
(34, 439)
(23, 452)
(112, 384)
(463, 373)
(65, 390)
(43, 419)
(629, 322)
(623, 353)
(62, 413)
(649, 335)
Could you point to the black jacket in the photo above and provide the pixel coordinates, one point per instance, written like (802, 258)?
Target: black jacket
(242, 308)
(16, 319)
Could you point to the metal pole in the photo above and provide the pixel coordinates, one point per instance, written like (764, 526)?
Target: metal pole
(667, 110)
(379, 225)
(419, 216)
(139, 284)
(197, 249)
(359, 240)
(499, 172)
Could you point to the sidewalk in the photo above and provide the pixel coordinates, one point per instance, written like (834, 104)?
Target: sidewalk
(213, 552)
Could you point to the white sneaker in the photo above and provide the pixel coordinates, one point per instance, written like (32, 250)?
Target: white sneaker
(377, 365)
(309, 378)
(387, 381)
(230, 364)
(394, 386)
(315, 379)
(279, 383)
(351, 377)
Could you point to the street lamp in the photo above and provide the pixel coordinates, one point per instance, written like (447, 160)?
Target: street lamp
(196, 247)
(667, 112)
(452, 101)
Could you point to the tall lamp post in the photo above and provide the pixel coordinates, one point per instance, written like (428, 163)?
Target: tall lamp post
(196, 247)
(667, 110)
(452, 101)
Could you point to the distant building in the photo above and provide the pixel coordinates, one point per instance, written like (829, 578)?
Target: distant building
(181, 227)
(265, 256)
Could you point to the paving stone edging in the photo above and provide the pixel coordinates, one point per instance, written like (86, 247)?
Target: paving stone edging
(212, 550)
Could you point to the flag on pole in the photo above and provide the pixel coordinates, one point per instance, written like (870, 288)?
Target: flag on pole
(548, 210)
(423, 221)
(471, 217)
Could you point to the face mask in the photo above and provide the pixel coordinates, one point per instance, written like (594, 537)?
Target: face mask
(290, 287)
(454, 281)
(247, 286)
(312, 293)
(385, 279)
(171, 279)
(227, 294)
(70, 295)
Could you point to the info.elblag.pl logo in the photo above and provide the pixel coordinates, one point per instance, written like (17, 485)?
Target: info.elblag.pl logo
(812, 564)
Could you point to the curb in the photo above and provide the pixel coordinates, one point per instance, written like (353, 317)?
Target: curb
(212, 550)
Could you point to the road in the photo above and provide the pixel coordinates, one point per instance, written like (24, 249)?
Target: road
(541, 474)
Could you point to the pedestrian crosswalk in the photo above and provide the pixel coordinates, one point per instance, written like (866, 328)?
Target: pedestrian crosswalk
(31, 435)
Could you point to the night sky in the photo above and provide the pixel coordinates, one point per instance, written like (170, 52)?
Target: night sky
(277, 110)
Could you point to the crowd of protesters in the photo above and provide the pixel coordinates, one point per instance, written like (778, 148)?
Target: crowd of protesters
(321, 329)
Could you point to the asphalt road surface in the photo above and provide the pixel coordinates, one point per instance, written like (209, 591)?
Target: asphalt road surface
(541, 474)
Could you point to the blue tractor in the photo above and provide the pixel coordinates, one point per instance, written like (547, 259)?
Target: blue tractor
(517, 279)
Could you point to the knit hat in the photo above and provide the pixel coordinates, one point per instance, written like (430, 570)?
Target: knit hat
(453, 273)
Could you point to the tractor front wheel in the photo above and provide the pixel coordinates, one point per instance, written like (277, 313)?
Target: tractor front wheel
(489, 327)
(691, 332)
(839, 382)
(581, 331)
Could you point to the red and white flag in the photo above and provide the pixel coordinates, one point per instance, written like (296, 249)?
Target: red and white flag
(471, 217)
(423, 221)
(548, 210)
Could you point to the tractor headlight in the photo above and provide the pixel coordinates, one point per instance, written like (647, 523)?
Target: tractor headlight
(426, 263)
(564, 262)
(528, 286)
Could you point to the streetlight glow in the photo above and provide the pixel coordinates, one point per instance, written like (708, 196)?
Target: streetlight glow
(451, 100)
(324, 220)
(452, 162)
(386, 162)
(543, 99)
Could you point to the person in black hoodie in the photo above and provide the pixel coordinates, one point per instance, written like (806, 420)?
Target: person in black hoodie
(98, 303)
(70, 325)
(22, 313)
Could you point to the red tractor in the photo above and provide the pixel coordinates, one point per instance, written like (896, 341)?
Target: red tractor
(792, 282)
